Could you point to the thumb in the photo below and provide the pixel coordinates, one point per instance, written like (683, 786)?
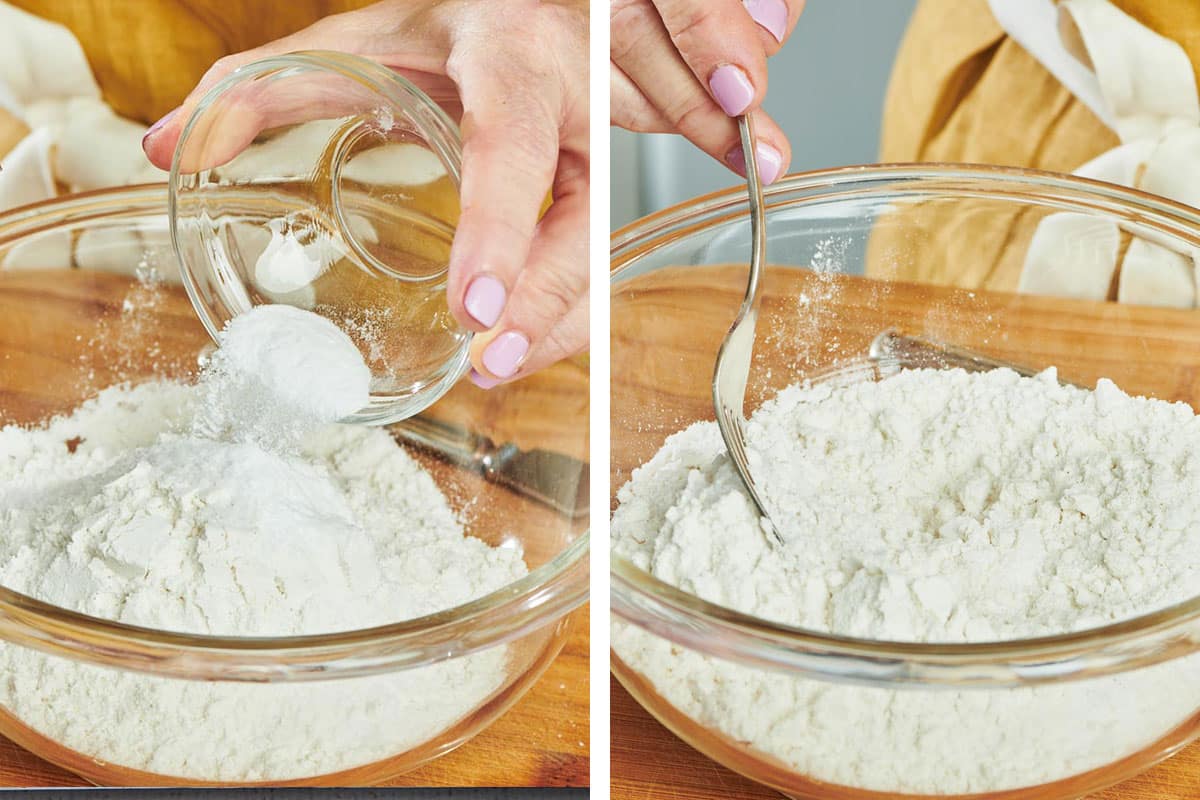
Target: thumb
(239, 119)
(412, 42)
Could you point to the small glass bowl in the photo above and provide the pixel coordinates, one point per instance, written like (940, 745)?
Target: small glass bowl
(326, 181)
(851, 253)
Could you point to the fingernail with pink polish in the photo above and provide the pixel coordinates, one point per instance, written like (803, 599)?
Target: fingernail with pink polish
(504, 355)
(482, 381)
(485, 300)
(770, 162)
(156, 127)
(732, 89)
(771, 14)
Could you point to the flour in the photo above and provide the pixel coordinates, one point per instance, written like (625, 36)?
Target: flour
(934, 506)
(156, 515)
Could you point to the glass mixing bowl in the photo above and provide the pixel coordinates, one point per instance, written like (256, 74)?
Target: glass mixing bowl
(850, 296)
(90, 297)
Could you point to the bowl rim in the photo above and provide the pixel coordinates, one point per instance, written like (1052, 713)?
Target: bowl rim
(643, 600)
(544, 595)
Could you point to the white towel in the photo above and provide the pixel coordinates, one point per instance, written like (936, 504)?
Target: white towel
(46, 81)
(1142, 86)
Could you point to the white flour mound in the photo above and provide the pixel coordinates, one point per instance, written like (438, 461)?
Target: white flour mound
(933, 506)
(129, 510)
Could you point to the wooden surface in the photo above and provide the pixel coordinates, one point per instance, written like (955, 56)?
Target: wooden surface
(666, 328)
(64, 334)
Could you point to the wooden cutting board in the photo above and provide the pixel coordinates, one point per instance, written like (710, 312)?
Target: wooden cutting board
(664, 341)
(44, 315)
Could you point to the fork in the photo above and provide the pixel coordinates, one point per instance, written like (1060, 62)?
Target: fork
(732, 369)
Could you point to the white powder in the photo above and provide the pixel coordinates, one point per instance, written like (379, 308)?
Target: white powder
(285, 265)
(130, 510)
(279, 371)
(934, 506)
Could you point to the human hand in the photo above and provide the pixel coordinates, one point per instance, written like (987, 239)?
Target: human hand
(691, 66)
(518, 73)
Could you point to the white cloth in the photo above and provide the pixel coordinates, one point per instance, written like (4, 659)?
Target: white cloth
(1033, 24)
(75, 140)
(40, 60)
(46, 81)
(27, 176)
(1142, 86)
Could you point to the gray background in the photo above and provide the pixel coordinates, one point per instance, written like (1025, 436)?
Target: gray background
(826, 91)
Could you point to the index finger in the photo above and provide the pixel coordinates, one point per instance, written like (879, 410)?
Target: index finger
(510, 151)
(777, 18)
(722, 46)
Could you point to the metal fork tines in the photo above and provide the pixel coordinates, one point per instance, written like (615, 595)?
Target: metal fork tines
(897, 349)
(733, 359)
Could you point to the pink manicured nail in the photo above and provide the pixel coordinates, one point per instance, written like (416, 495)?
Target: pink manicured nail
(158, 125)
(771, 14)
(485, 299)
(482, 381)
(504, 354)
(770, 162)
(732, 89)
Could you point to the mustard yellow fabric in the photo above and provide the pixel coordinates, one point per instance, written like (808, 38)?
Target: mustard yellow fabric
(1178, 20)
(962, 91)
(148, 54)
